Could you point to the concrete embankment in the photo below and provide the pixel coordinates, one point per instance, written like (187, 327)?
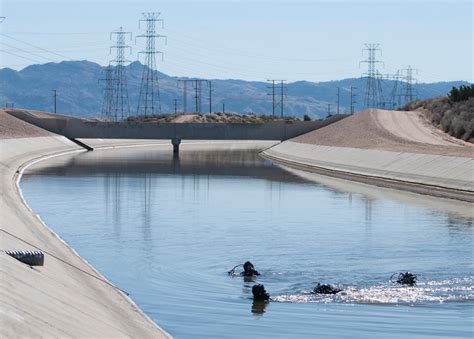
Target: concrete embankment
(419, 162)
(63, 298)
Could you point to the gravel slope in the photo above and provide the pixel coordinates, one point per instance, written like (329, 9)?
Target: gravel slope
(396, 131)
(11, 128)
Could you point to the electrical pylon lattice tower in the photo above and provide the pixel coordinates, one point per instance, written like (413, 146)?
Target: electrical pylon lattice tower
(149, 101)
(120, 104)
(373, 91)
(107, 104)
(410, 93)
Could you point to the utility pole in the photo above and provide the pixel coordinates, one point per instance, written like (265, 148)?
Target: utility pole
(223, 107)
(329, 110)
(55, 95)
(197, 86)
(196, 96)
(373, 90)
(338, 94)
(210, 96)
(353, 95)
(120, 104)
(283, 87)
(273, 95)
(149, 101)
(175, 101)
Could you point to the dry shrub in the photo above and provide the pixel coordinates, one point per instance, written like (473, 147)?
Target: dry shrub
(455, 118)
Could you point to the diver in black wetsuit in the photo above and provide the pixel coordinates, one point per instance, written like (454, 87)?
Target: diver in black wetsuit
(406, 278)
(249, 270)
(325, 289)
(259, 293)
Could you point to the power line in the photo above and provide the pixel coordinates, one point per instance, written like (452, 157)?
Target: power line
(120, 104)
(353, 95)
(409, 80)
(40, 48)
(372, 91)
(149, 100)
(19, 56)
(107, 105)
(188, 40)
(25, 51)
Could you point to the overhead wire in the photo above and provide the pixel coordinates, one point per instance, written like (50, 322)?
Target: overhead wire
(20, 56)
(25, 51)
(40, 48)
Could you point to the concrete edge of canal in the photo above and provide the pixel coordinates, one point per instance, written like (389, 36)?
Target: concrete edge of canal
(437, 175)
(65, 297)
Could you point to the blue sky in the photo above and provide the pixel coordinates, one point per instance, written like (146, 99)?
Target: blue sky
(251, 40)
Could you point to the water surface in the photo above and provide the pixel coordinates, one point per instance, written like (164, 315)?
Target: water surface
(167, 230)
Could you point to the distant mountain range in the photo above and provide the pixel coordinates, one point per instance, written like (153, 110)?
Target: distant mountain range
(79, 91)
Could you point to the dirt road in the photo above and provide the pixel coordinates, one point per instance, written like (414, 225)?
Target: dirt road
(396, 131)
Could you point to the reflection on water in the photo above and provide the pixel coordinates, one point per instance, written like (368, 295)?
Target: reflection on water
(258, 307)
(178, 224)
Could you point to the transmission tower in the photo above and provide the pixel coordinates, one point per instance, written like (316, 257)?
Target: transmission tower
(410, 92)
(197, 85)
(149, 102)
(120, 107)
(185, 93)
(395, 93)
(107, 104)
(353, 100)
(373, 89)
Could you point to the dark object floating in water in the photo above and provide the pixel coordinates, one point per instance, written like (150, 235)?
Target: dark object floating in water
(406, 278)
(259, 293)
(32, 258)
(249, 270)
(326, 289)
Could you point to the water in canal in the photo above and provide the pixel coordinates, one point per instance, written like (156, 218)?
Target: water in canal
(168, 230)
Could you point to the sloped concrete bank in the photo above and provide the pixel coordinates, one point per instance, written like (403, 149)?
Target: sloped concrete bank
(57, 299)
(438, 175)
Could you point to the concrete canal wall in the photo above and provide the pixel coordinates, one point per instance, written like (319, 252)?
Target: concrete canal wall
(386, 148)
(443, 176)
(66, 297)
(63, 298)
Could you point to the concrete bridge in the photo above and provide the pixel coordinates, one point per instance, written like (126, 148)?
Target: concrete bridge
(77, 128)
